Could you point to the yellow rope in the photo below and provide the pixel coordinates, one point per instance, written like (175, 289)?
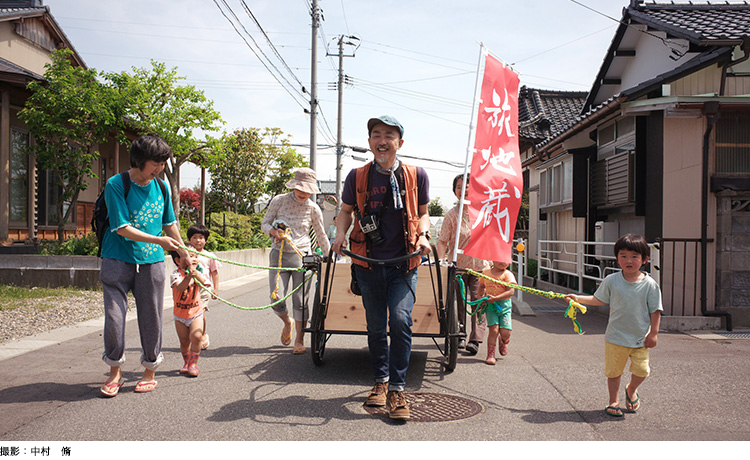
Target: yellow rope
(286, 235)
(570, 312)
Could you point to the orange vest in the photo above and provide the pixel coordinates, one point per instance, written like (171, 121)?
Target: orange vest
(358, 243)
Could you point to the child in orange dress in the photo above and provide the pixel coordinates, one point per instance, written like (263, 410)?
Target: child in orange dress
(498, 308)
(188, 308)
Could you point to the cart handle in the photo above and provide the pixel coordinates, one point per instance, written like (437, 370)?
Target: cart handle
(393, 261)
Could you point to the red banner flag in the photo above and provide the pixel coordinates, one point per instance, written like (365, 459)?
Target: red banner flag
(496, 184)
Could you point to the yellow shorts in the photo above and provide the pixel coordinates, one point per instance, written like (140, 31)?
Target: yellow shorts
(616, 357)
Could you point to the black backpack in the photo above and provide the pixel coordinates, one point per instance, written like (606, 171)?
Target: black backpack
(100, 219)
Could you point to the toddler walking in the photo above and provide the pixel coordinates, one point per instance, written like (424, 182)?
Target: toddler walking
(198, 236)
(635, 310)
(497, 308)
(188, 307)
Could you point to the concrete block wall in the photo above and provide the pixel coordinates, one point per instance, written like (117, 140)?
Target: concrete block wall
(83, 271)
(733, 255)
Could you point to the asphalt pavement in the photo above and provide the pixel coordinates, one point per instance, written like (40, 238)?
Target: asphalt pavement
(550, 387)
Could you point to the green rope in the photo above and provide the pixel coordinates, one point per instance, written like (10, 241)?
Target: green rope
(231, 304)
(239, 264)
(570, 312)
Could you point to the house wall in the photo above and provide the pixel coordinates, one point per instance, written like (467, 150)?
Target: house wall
(20, 51)
(708, 81)
(682, 177)
(683, 141)
(737, 86)
(652, 59)
(705, 81)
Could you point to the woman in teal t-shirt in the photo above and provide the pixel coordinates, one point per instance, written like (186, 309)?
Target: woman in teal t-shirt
(133, 260)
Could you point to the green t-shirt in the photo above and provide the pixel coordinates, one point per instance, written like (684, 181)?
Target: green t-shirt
(145, 210)
(630, 308)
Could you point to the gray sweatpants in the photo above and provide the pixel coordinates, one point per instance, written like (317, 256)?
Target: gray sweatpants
(299, 302)
(147, 284)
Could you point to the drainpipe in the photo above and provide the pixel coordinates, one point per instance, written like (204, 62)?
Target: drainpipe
(711, 111)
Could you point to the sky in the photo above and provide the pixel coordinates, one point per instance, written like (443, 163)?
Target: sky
(413, 59)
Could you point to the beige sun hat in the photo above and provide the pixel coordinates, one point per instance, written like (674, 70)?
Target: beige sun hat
(305, 180)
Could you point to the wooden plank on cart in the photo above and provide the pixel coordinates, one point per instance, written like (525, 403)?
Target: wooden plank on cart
(346, 313)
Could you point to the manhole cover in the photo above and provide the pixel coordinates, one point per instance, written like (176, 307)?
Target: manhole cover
(434, 407)
(734, 335)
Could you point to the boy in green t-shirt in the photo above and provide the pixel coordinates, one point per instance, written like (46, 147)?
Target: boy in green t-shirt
(635, 311)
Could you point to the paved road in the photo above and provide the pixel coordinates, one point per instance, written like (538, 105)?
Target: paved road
(549, 387)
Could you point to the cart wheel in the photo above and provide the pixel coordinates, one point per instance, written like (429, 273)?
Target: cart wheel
(451, 337)
(318, 338)
(318, 347)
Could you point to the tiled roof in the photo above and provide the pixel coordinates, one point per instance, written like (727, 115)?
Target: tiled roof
(704, 25)
(544, 113)
(700, 23)
(15, 12)
(713, 29)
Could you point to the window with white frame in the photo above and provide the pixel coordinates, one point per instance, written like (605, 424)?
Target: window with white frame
(556, 184)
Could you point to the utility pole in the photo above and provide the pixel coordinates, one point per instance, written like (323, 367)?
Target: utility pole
(315, 12)
(343, 40)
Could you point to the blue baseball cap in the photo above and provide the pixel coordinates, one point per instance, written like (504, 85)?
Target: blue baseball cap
(385, 119)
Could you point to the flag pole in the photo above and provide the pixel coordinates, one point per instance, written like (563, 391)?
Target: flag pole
(469, 149)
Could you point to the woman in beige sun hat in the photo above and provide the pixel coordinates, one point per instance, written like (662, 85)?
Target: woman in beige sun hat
(294, 211)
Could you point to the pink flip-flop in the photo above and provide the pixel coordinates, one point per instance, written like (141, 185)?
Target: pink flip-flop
(112, 387)
(145, 387)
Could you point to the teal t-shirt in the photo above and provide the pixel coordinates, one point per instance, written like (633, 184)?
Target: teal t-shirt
(630, 308)
(144, 210)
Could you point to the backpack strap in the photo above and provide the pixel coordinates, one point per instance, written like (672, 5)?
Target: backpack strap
(125, 176)
(163, 189)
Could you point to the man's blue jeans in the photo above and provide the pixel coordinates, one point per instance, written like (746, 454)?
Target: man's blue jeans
(388, 298)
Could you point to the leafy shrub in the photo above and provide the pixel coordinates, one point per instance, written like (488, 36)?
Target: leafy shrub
(230, 231)
(85, 245)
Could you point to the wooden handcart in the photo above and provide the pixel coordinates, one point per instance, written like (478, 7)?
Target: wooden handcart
(336, 310)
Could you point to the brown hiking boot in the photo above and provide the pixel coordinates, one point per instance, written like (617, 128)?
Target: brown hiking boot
(398, 408)
(376, 397)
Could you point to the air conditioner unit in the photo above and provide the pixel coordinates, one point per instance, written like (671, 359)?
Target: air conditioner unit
(605, 232)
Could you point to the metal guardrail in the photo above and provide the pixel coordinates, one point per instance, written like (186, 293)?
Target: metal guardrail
(586, 260)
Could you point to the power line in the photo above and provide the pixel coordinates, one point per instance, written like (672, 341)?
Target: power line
(665, 41)
(414, 94)
(412, 109)
(288, 90)
(270, 43)
(560, 46)
(171, 59)
(98, 20)
(131, 33)
(472, 65)
(414, 59)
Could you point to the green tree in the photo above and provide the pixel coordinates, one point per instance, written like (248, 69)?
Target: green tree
(248, 164)
(157, 104)
(285, 160)
(435, 208)
(70, 113)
